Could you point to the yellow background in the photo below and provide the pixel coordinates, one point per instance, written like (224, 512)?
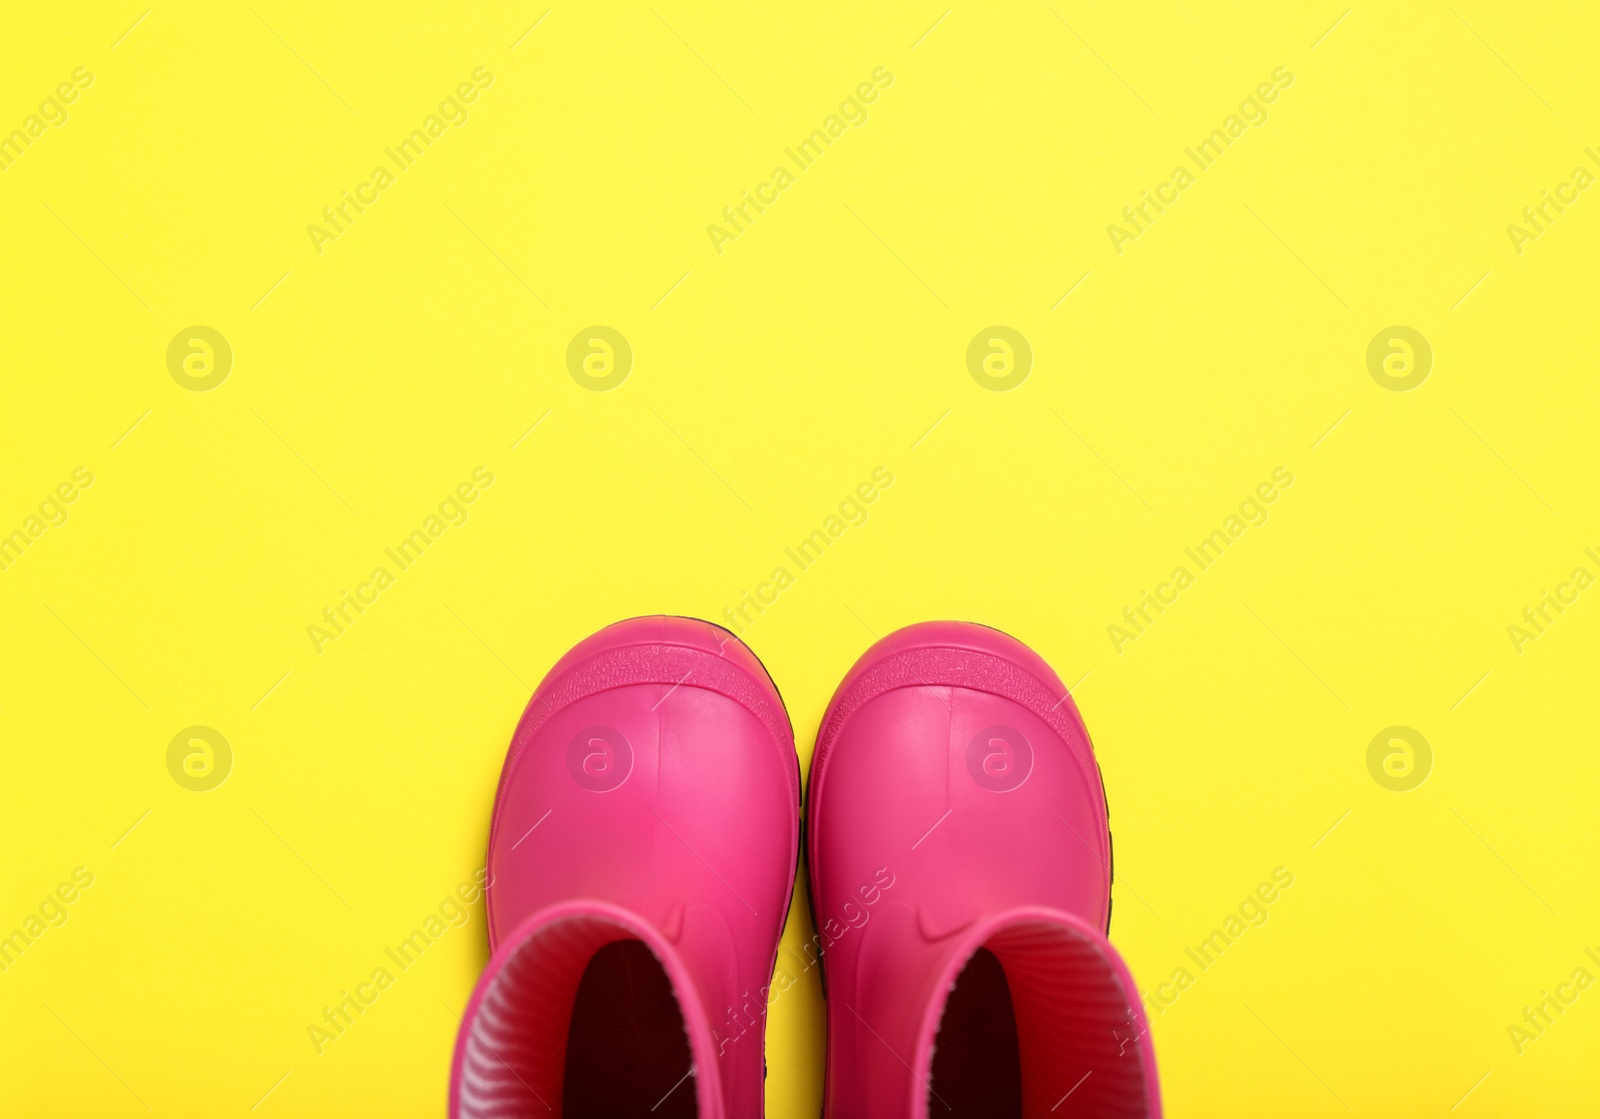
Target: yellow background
(368, 380)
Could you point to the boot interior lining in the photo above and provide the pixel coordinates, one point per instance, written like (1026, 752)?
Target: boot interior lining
(977, 1063)
(627, 1051)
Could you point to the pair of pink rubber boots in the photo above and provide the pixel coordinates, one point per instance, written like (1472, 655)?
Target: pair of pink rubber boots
(642, 858)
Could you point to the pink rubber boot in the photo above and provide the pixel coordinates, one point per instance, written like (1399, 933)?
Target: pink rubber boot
(641, 860)
(960, 859)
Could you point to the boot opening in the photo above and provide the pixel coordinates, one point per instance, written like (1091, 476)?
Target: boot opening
(581, 1020)
(627, 1053)
(1039, 1025)
(977, 1065)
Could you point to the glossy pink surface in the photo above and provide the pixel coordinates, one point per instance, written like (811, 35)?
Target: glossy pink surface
(954, 795)
(653, 774)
